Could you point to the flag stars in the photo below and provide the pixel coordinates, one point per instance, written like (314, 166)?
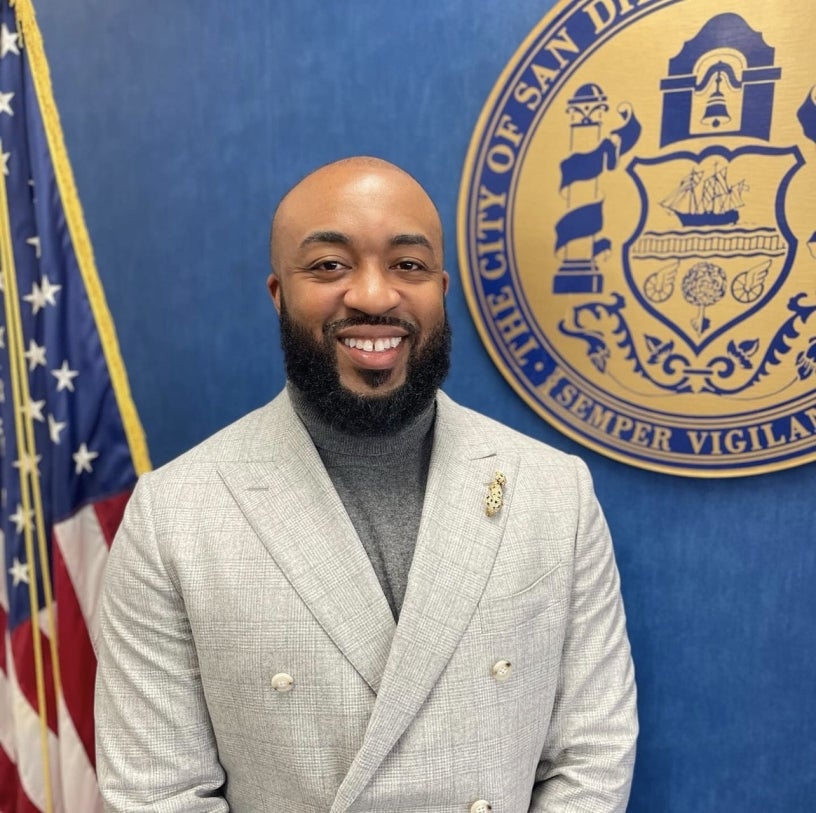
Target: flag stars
(18, 572)
(35, 298)
(5, 103)
(42, 294)
(4, 159)
(28, 464)
(82, 458)
(34, 242)
(22, 519)
(48, 290)
(35, 355)
(65, 377)
(54, 429)
(8, 41)
(33, 409)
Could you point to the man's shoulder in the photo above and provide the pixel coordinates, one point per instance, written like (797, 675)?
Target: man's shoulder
(504, 438)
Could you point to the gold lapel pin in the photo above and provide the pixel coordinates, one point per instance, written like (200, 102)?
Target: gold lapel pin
(495, 494)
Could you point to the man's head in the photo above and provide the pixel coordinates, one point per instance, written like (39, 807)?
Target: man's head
(359, 283)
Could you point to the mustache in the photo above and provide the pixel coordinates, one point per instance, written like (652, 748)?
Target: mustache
(331, 328)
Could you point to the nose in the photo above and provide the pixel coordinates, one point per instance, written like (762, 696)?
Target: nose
(372, 290)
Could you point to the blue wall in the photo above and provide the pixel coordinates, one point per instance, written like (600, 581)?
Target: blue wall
(185, 122)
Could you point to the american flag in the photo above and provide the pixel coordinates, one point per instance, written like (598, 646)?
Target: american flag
(71, 445)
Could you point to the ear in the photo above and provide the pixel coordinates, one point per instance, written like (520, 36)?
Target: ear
(445, 282)
(273, 286)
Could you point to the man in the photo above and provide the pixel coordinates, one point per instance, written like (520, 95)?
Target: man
(363, 597)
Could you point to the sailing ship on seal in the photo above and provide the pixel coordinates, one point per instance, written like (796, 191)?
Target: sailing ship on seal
(701, 200)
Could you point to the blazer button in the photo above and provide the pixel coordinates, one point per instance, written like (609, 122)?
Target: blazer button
(501, 670)
(282, 682)
(481, 807)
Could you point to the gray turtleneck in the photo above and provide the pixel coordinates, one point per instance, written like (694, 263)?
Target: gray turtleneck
(381, 481)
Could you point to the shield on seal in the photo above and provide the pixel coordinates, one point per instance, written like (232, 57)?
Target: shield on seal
(712, 245)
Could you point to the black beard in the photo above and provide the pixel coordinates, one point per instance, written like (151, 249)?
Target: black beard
(311, 365)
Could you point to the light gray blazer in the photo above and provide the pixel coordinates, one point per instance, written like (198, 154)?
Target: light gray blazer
(237, 562)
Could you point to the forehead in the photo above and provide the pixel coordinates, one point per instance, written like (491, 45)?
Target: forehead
(364, 205)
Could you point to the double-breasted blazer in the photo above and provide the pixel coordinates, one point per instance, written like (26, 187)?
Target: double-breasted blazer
(249, 661)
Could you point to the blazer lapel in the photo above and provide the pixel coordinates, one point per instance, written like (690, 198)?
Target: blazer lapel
(454, 556)
(292, 506)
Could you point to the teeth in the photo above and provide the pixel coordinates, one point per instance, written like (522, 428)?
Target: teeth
(377, 345)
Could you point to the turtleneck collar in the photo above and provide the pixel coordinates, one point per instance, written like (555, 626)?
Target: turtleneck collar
(407, 440)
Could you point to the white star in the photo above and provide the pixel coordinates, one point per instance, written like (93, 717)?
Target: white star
(82, 458)
(18, 570)
(35, 355)
(36, 298)
(8, 42)
(5, 103)
(34, 242)
(28, 464)
(34, 410)
(54, 428)
(46, 288)
(22, 519)
(4, 157)
(65, 377)
(2, 337)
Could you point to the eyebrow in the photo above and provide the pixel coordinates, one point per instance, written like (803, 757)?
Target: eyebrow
(325, 237)
(338, 238)
(411, 240)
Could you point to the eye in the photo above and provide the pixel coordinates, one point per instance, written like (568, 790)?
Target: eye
(409, 265)
(327, 265)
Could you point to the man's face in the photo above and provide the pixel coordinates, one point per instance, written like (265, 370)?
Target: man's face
(357, 253)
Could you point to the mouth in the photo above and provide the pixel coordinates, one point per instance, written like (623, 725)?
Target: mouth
(373, 348)
(372, 345)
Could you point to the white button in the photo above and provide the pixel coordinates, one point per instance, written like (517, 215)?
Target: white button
(502, 670)
(282, 682)
(481, 807)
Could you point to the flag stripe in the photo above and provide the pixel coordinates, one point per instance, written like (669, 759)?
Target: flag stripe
(29, 754)
(109, 514)
(13, 798)
(79, 788)
(22, 646)
(77, 661)
(84, 551)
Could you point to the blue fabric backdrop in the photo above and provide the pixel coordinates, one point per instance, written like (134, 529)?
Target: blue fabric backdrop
(185, 121)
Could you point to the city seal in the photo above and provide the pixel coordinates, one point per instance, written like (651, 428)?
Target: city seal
(637, 232)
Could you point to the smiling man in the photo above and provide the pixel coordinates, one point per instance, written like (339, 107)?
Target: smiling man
(364, 597)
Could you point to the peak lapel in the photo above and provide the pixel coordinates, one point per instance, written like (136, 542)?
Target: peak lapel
(292, 506)
(454, 557)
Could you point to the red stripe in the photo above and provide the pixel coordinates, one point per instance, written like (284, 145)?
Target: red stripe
(109, 513)
(3, 631)
(76, 655)
(12, 796)
(22, 650)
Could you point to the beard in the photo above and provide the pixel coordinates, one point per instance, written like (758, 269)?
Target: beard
(311, 365)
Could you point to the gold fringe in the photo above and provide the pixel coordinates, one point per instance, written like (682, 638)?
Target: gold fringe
(28, 28)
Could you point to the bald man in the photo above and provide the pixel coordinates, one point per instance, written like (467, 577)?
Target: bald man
(362, 596)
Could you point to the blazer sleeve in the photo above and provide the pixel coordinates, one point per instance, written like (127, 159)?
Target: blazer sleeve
(587, 762)
(156, 751)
